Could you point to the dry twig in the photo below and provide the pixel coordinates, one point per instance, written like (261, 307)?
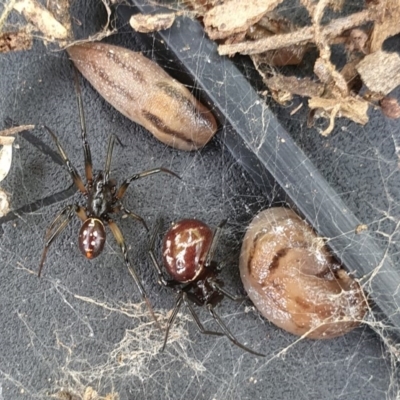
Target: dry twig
(42, 19)
(299, 37)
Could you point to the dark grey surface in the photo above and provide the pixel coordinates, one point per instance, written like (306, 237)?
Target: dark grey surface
(71, 328)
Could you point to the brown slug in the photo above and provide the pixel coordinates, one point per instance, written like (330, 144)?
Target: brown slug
(143, 92)
(294, 281)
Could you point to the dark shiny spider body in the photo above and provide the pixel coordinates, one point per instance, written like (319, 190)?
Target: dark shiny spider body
(187, 250)
(102, 198)
(204, 287)
(101, 201)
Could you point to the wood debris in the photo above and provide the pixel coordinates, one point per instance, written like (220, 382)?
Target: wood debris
(5, 155)
(361, 228)
(39, 19)
(235, 16)
(349, 107)
(88, 394)
(255, 28)
(380, 71)
(4, 203)
(298, 37)
(16, 129)
(53, 22)
(301, 86)
(15, 41)
(42, 19)
(6, 143)
(269, 26)
(60, 11)
(357, 41)
(390, 107)
(386, 23)
(152, 23)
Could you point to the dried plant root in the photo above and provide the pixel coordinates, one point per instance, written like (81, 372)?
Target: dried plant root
(349, 107)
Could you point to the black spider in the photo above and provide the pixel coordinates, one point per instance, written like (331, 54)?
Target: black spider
(187, 251)
(102, 199)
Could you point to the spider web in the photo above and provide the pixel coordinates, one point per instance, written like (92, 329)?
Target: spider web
(80, 331)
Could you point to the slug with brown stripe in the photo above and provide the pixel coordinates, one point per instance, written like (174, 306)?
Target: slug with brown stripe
(294, 281)
(143, 92)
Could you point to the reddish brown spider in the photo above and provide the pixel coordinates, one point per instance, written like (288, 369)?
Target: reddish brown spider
(102, 199)
(187, 250)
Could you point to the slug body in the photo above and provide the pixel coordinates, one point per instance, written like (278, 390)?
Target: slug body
(294, 281)
(143, 92)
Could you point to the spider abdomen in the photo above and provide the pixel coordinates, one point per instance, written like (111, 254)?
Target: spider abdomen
(185, 249)
(92, 237)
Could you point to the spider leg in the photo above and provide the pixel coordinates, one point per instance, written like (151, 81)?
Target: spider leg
(125, 184)
(121, 242)
(130, 214)
(229, 295)
(109, 157)
(71, 169)
(186, 298)
(172, 317)
(214, 242)
(161, 278)
(52, 234)
(85, 144)
(136, 217)
(182, 297)
(80, 212)
(228, 333)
